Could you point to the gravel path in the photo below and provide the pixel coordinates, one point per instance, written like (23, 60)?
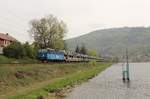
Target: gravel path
(109, 84)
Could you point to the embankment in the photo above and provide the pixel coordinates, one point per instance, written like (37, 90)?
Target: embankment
(29, 81)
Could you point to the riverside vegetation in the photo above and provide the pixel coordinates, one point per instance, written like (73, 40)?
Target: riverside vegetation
(30, 81)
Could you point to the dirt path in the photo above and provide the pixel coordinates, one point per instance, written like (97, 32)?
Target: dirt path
(109, 85)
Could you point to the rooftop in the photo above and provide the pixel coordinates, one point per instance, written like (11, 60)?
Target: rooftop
(6, 36)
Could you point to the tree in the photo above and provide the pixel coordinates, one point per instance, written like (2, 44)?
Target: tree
(29, 51)
(83, 50)
(14, 50)
(77, 50)
(18, 50)
(48, 32)
(35, 47)
(65, 46)
(92, 53)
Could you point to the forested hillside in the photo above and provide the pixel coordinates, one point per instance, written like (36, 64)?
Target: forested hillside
(113, 42)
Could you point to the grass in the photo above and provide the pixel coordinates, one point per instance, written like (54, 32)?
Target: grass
(14, 77)
(6, 60)
(76, 73)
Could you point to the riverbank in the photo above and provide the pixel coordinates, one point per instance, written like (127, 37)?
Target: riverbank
(34, 80)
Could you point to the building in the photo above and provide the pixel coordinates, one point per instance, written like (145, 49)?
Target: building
(5, 40)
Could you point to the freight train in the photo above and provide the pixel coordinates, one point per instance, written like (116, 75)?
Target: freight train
(52, 55)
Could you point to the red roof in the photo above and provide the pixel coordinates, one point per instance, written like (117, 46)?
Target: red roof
(7, 37)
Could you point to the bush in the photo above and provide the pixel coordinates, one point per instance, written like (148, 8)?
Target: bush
(93, 63)
(14, 50)
(18, 50)
(29, 51)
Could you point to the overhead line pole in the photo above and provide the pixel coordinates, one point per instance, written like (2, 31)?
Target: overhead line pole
(127, 66)
(125, 70)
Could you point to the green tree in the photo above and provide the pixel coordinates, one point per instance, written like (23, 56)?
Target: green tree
(83, 50)
(35, 48)
(92, 53)
(65, 46)
(14, 50)
(77, 50)
(48, 32)
(29, 50)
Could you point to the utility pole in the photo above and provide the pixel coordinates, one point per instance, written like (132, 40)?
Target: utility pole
(125, 71)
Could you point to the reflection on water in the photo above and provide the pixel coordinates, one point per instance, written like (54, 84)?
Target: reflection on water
(109, 84)
(127, 83)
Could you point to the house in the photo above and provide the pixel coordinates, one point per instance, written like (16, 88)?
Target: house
(5, 40)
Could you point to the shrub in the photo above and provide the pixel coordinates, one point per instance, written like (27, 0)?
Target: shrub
(93, 62)
(29, 51)
(14, 50)
(18, 50)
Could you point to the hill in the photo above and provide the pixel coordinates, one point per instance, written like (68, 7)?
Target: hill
(114, 41)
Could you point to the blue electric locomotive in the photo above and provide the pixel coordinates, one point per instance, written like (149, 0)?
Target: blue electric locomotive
(51, 55)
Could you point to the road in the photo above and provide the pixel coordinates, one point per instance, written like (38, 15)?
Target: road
(109, 84)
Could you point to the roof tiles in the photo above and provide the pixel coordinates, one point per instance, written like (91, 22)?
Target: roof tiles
(7, 37)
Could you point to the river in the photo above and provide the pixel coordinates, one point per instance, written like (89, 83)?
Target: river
(109, 84)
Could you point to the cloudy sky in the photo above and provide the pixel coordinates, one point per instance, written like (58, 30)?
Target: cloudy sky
(81, 16)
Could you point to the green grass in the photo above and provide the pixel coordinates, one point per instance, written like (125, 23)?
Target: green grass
(33, 74)
(81, 74)
(6, 60)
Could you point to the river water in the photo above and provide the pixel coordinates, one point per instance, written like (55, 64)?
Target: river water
(109, 84)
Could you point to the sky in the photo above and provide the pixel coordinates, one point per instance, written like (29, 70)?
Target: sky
(81, 16)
